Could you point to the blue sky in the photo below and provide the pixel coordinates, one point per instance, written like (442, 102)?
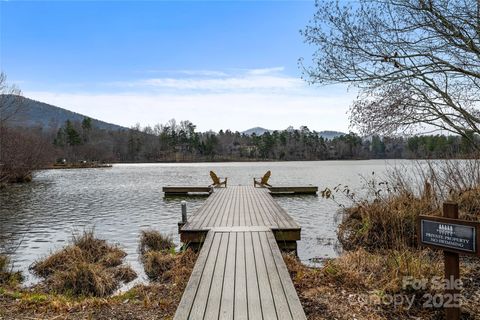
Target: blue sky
(220, 64)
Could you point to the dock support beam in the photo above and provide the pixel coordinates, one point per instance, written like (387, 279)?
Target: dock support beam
(184, 216)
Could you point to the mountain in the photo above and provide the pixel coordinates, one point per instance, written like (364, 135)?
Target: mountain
(38, 114)
(325, 134)
(257, 130)
(331, 134)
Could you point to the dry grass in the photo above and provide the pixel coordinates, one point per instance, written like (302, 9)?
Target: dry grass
(157, 300)
(89, 266)
(83, 279)
(152, 240)
(379, 233)
(384, 223)
(7, 275)
(62, 259)
(333, 291)
(160, 261)
(124, 273)
(384, 270)
(157, 265)
(386, 218)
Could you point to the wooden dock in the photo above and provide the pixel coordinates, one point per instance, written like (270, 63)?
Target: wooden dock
(293, 190)
(240, 272)
(186, 190)
(240, 206)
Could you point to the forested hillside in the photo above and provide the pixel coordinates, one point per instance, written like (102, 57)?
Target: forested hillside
(42, 115)
(175, 141)
(74, 137)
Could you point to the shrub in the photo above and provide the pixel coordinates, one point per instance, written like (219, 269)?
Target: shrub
(89, 266)
(60, 260)
(124, 273)
(84, 279)
(160, 261)
(385, 223)
(152, 240)
(386, 216)
(157, 265)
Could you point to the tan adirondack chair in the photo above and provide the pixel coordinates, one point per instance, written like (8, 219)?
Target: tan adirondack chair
(216, 180)
(263, 180)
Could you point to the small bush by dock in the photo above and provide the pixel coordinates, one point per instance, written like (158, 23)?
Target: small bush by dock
(161, 262)
(87, 267)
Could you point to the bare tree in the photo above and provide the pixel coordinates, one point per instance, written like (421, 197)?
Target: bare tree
(21, 150)
(415, 63)
(11, 101)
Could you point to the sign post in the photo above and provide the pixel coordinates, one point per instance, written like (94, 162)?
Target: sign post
(454, 237)
(452, 266)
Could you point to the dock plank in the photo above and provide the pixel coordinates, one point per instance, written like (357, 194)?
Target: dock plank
(240, 206)
(240, 275)
(215, 294)
(184, 308)
(240, 309)
(281, 304)
(294, 304)
(202, 291)
(229, 280)
(253, 291)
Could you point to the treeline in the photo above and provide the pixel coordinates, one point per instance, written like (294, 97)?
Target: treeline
(180, 142)
(23, 150)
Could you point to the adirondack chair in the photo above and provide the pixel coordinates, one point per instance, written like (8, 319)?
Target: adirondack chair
(216, 180)
(263, 180)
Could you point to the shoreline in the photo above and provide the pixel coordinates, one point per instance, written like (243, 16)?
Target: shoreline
(338, 290)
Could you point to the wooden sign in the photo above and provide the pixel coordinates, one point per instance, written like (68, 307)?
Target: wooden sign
(453, 235)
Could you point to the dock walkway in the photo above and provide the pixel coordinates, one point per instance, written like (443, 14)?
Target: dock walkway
(239, 206)
(240, 272)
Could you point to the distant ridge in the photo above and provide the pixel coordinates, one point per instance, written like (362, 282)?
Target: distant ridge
(326, 134)
(331, 134)
(38, 114)
(257, 130)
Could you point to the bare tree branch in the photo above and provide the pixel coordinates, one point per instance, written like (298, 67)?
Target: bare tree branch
(415, 62)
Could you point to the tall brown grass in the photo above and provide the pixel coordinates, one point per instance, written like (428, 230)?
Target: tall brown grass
(379, 233)
(331, 292)
(152, 240)
(386, 216)
(160, 261)
(89, 267)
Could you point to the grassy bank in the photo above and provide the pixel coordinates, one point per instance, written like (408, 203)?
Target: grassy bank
(79, 279)
(382, 255)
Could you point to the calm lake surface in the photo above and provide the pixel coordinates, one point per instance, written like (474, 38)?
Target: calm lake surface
(40, 217)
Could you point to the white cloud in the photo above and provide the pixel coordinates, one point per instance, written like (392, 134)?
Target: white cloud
(236, 101)
(265, 70)
(194, 72)
(211, 80)
(208, 111)
(221, 84)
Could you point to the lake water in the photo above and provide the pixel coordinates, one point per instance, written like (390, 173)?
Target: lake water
(40, 217)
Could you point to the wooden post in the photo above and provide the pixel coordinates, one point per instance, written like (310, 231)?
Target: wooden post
(452, 268)
(184, 216)
(184, 212)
